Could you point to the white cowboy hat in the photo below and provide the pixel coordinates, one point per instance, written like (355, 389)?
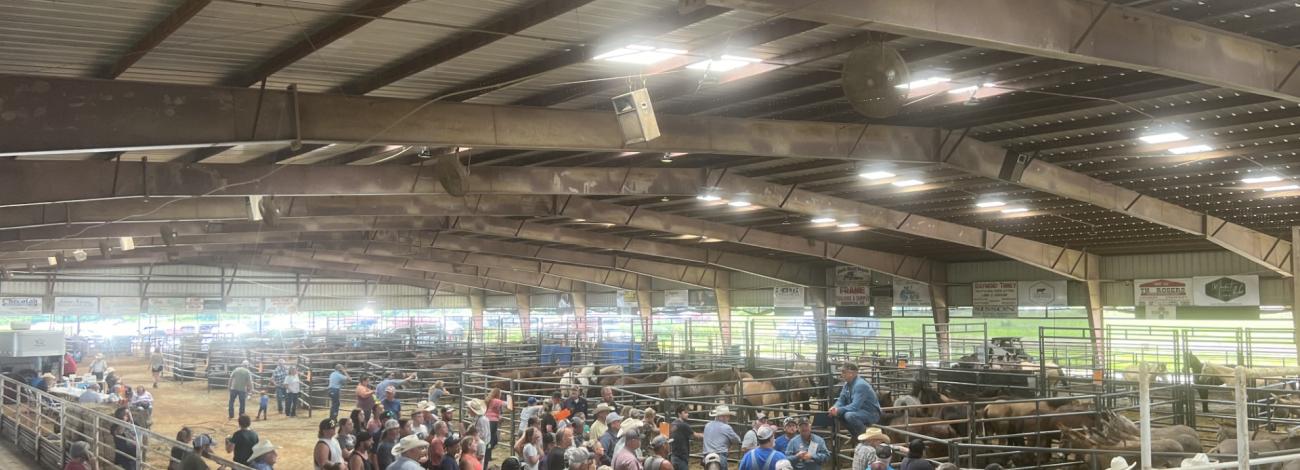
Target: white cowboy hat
(631, 427)
(721, 410)
(476, 406)
(1118, 463)
(873, 433)
(263, 447)
(603, 407)
(408, 443)
(425, 405)
(1196, 461)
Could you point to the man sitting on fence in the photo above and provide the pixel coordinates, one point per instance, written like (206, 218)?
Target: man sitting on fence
(858, 406)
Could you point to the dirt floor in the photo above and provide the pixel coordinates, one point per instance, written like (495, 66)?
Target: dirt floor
(204, 411)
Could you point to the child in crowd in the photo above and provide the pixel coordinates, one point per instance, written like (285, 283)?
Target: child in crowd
(263, 403)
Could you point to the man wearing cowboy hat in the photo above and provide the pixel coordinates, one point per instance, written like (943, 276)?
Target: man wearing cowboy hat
(765, 456)
(865, 454)
(99, 368)
(481, 423)
(613, 422)
(598, 424)
(264, 456)
(719, 437)
(858, 406)
(410, 452)
(625, 458)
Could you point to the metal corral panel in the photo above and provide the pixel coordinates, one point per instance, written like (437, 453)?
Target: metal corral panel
(751, 298)
(963, 273)
(326, 288)
(1200, 263)
(450, 301)
(601, 299)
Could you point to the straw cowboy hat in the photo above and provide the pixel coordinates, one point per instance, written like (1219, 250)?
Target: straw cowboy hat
(1118, 463)
(631, 427)
(410, 442)
(721, 410)
(873, 433)
(263, 447)
(425, 405)
(476, 406)
(603, 407)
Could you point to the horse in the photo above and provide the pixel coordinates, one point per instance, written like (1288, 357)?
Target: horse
(927, 395)
(760, 394)
(1001, 418)
(703, 385)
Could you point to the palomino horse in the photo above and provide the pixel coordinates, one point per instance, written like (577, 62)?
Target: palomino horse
(703, 385)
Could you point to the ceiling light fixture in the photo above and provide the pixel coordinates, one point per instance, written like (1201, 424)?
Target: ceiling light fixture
(964, 90)
(709, 197)
(640, 54)
(876, 175)
(1289, 187)
(823, 220)
(724, 63)
(988, 204)
(849, 225)
(739, 204)
(1190, 149)
(1162, 138)
(1262, 179)
(907, 183)
(1014, 210)
(925, 82)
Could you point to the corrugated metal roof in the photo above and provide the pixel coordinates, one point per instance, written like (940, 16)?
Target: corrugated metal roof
(72, 37)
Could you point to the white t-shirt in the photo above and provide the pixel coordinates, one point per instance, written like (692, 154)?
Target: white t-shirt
(292, 384)
(529, 452)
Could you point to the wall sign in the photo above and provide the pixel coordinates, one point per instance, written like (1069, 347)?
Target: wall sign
(1218, 291)
(787, 297)
(677, 298)
(995, 299)
(852, 296)
(76, 305)
(852, 276)
(1042, 293)
(244, 305)
(1162, 292)
(119, 305)
(281, 305)
(20, 305)
(911, 294)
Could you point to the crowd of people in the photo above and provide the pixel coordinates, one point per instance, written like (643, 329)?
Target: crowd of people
(562, 433)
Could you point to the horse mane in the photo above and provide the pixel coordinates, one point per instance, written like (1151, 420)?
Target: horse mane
(719, 375)
(1194, 363)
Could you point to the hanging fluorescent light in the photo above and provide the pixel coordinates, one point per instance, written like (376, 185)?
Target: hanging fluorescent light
(1014, 210)
(924, 83)
(823, 220)
(907, 183)
(876, 175)
(640, 54)
(709, 197)
(849, 225)
(1190, 149)
(1289, 187)
(1262, 179)
(964, 90)
(724, 63)
(739, 204)
(1162, 138)
(988, 204)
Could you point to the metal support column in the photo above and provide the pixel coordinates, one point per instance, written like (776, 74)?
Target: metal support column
(476, 306)
(939, 307)
(1093, 287)
(1295, 284)
(723, 294)
(580, 313)
(524, 307)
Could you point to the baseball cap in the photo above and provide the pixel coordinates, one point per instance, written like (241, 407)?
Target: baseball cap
(612, 417)
(660, 441)
(764, 433)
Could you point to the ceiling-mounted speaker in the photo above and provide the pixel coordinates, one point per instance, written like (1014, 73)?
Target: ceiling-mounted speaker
(451, 174)
(874, 79)
(6, 275)
(168, 234)
(269, 210)
(636, 116)
(105, 250)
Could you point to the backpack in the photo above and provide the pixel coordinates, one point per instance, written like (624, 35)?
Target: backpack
(511, 463)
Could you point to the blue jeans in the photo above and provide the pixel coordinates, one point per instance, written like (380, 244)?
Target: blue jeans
(334, 403)
(279, 399)
(857, 421)
(679, 463)
(230, 407)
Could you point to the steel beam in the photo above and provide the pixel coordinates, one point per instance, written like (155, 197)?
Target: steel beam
(1084, 31)
(87, 235)
(508, 276)
(407, 275)
(213, 209)
(39, 182)
(160, 32)
(51, 116)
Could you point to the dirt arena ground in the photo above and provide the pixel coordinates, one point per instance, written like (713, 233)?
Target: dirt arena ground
(192, 404)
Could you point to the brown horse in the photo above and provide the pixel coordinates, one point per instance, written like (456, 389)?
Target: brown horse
(703, 385)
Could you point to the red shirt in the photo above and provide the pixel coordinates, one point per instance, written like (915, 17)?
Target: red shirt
(69, 365)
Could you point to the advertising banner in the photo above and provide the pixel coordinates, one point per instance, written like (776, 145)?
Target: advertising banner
(281, 305)
(911, 294)
(1221, 291)
(119, 305)
(677, 298)
(244, 305)
(852, 276)
(76, 305)
(1042, 293)
(787, 297)
(995, 299)
(1162, 291)
(170, 305)
(20, 305)
(852, 296)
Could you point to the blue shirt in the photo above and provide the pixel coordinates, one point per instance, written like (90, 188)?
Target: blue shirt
(383, 385)
(858, 397)
(797, 445)
(781, 442)
(761, 459)
(394, 406)
(336, 380)
(266, 400)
